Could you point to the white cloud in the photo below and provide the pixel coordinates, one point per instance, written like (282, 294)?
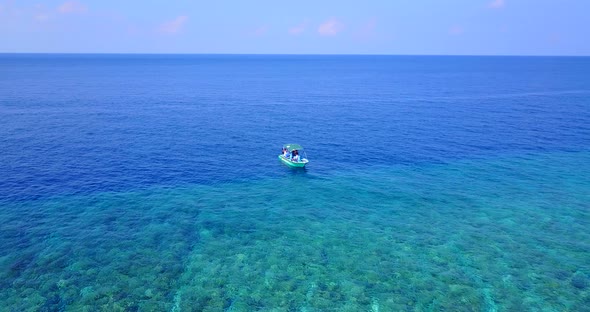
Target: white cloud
(4, 7)
(456, 30)
(260, 31)
(330, 27)
(554, 38)
(298, 29)
(42, 17)
(367, 30)
(497, 4)
(41, 13)
(174, 26)
(72, 7)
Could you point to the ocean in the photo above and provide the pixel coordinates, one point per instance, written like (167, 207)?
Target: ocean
(435, 183)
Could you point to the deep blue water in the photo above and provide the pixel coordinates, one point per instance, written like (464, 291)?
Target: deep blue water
(111, 162)
(87, 123)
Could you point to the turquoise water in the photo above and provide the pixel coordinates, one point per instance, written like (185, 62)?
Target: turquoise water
(497, 234)
(151, 183)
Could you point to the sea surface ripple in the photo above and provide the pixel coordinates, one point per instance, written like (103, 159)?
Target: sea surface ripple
(151, 182)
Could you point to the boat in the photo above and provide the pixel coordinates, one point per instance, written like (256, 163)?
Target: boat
(289, 150)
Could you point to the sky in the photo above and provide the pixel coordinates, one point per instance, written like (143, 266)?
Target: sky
(423, 27)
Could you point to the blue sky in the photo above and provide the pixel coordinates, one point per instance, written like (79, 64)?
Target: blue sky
(456, 27)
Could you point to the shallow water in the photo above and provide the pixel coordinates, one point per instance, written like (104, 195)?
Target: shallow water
(456, 199)
(465, 235)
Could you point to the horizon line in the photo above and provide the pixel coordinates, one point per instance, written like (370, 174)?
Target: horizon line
(291, 54)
